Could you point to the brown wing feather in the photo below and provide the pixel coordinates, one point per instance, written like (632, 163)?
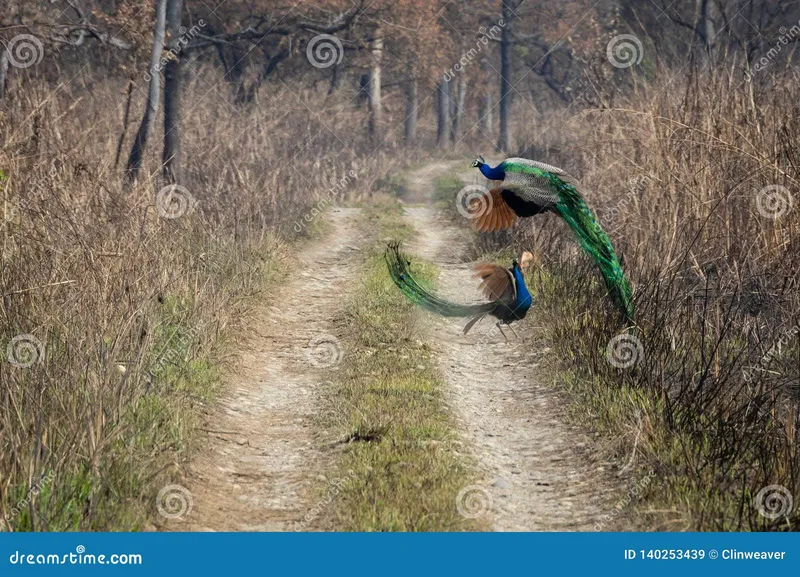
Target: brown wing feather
(496, 281)
(492, 213)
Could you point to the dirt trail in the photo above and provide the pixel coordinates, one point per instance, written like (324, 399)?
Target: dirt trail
(539, 471)
(261, 454)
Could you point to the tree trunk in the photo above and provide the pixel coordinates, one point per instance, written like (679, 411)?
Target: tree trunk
(487, 106)
(504, 140)
(363, 89)
(411, 111)
(443, 125)
(153, 95)
(461, 97)
(232, 58)
(335, 75)
(3, 71)
(375, 89)
(171, 158)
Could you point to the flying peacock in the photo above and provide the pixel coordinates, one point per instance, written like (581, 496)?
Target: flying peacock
(528, 188)
(503, 287)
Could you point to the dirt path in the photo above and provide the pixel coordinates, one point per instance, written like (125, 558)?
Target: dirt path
(261, 455)
(539, 472)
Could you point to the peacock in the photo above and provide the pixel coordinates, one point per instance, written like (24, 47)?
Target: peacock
(504, 288)
(529, 188)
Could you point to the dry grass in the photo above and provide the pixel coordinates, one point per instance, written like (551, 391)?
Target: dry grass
(136, 314)
(712, 404)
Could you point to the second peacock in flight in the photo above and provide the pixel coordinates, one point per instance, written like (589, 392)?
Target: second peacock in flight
(528, 188)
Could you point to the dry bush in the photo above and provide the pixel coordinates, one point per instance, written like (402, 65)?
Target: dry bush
(126, 316)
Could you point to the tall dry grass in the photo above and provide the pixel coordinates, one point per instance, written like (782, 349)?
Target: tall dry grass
(127, 318)
(679, 178)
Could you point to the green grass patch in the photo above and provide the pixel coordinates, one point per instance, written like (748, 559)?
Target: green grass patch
(402, 457)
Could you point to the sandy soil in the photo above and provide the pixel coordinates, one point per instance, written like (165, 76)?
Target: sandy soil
(261, 454)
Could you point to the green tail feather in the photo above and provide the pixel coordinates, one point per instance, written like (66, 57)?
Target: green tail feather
(401, 275)
(596, 243)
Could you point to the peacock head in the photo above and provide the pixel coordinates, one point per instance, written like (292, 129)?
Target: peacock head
(478, 162)
(525, 260)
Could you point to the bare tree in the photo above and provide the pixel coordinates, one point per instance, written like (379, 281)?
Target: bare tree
(443, 124)
(506, 40)
(411, 111)
(153, 96)
(487, 102)
(171, 158)
(374, 92)
(460, 102)
(3, 70)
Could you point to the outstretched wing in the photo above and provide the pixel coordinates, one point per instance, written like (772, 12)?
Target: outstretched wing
(533, 181)
(530, 166)
(497, 283)
(532, 188)
(490, 212)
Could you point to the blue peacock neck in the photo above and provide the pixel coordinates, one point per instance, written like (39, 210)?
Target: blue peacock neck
(496, 173)
(524, 299)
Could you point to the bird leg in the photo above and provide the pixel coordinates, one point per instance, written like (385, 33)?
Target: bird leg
(515, 332)
(501, 330)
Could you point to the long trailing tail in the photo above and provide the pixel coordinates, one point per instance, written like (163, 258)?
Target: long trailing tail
(408, 285)
(594, 240)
